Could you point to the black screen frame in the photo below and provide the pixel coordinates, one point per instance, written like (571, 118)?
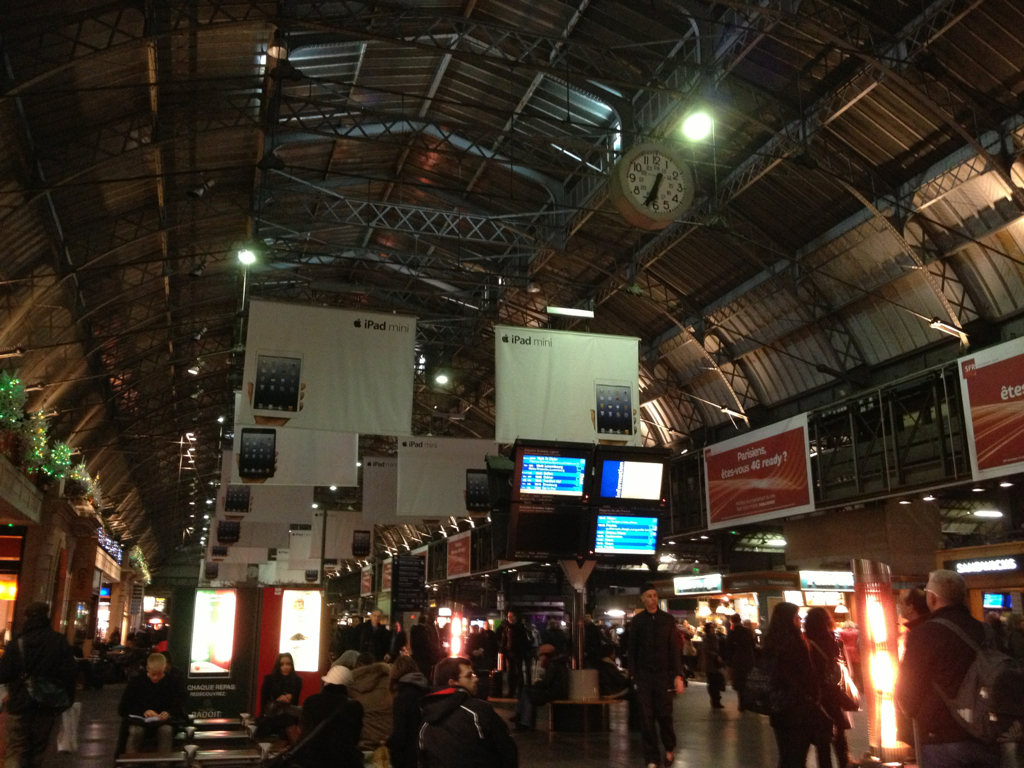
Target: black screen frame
(622, 557)
(569, 547)
(639, 455)
(558, 450)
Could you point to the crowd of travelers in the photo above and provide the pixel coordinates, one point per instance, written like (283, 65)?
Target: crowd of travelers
(402, 698)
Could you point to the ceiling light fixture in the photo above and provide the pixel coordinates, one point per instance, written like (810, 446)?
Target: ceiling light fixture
(246, 256)
(697, 126)
(278, 48)
(987, 513)
(978, 489)
(197, 192)
(570, 311)
(904, 501)
(929, 497)
(946, 328)
(334, 487)
(441, 378)
(220, 419)
(1004, 484)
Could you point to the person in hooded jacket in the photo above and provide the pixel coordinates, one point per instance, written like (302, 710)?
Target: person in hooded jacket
(337, 743)
(459, 730)
(370, 687)
(40, 652)
(826, 653)
(408, 686)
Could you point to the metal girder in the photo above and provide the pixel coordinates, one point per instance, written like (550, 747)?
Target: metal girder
(335, 210)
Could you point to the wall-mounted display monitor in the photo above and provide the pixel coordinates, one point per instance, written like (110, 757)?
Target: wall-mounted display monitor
(551, 472)
(547, 532)
(995, 601)
(213, 633)
(631, 477)
(625, 535)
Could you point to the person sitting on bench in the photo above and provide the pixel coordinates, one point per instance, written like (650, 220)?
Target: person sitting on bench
(553, 686)
(152, 703)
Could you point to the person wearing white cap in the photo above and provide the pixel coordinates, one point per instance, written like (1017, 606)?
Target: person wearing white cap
(334, 743)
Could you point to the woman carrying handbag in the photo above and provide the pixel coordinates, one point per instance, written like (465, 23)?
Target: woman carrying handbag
(828, 665)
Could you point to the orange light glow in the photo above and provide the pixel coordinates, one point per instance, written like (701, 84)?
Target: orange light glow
(455, 645)
(8, 590)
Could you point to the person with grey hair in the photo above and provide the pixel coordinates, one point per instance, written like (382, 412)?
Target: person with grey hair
(936, 657)
(41, 655)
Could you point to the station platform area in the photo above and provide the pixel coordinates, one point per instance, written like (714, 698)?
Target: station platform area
(708, 738)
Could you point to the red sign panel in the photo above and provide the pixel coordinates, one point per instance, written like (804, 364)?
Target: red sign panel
(366, 582)
(758, 476)
(458, 555)
(993, 390)
(385, 577)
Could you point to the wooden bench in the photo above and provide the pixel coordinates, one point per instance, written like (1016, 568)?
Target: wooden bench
(566, 716)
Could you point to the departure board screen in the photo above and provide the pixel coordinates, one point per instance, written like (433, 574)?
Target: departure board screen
(631, 480)
(626, 535)
(552, 475)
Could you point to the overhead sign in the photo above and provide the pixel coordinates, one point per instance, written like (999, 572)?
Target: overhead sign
(834, 580)
(985, 565)
(408, 580)
(328, 369)
(279, 456)
(992, 387)
(762, 475)
(366, 582)
(695, 585)
(432, 474)
(385, 575)
(557, 385)
(459, 554)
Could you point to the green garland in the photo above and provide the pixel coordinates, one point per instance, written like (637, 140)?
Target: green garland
(58, 464)
(138, 563)
(12, 400)
(35, 450)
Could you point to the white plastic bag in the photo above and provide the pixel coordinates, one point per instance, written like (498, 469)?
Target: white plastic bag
(67, 735)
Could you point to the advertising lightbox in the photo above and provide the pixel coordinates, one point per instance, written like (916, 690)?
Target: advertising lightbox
(300, 628)
(213, 633)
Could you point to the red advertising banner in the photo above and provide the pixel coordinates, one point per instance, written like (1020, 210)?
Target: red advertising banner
(385, 576)
(992, 387)
(458, 555)
(366, 582)
(759, 476)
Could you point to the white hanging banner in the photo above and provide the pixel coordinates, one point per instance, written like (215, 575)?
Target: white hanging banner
(254, 503)
(349, 536)
(328, 369)
(279, 456)
(992, 386)
(558, 385)
(380, 490)
(432, 474)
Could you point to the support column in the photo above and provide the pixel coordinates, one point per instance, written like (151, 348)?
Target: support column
(578, 573)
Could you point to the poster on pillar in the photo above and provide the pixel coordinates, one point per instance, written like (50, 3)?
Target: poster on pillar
(761, 475)
(992, 387)
(559, 385)
(328, 369)
(432, 474)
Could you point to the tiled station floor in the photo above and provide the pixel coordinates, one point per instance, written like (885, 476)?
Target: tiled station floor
(708, 738)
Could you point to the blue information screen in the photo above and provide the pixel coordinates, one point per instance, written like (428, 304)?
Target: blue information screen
(552, 475)
(626, 535)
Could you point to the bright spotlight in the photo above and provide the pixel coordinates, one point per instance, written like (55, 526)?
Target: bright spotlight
(697, 126)
(246, 256)
(441, 378)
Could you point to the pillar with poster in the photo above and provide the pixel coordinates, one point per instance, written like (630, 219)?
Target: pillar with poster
(876, 605)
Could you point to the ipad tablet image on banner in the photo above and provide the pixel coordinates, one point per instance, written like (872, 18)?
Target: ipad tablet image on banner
(278, 389)
(625, 535)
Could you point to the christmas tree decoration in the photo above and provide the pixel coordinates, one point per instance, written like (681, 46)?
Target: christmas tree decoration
(12, 400)
(58, 463)
(34, 430)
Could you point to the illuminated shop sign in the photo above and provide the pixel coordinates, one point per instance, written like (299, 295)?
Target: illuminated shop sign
(110, 546)
(841, 580)
(691, 585)
(987, 565)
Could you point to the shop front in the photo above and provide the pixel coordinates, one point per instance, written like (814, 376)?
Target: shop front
(831, 590)
(994, 574)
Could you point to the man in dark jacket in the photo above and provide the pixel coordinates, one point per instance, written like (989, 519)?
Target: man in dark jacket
(459, 730)
(936, 656)
(43, 654)
(514, 646)
(154, 701)
(554, 635)
(742, 649)
(552, 686)
(380, 638)
(656, 664)
(424, 644)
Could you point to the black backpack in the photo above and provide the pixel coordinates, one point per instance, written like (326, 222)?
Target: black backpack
(990, 699)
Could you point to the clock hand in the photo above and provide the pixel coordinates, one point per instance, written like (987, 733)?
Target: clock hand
(654, 189)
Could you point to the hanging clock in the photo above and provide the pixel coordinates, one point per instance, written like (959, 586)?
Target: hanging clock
(651, 186)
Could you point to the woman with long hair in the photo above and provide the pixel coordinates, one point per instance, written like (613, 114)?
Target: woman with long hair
(408, 686)
(799, 720)
(281, 690)
(826, 653)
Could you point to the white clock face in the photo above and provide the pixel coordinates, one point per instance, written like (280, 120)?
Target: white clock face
(655, 183)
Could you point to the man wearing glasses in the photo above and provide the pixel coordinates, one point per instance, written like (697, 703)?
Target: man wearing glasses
(937, 657)
(459, 730)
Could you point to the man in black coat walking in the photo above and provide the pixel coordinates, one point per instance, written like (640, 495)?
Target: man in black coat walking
(515, 648)
(42, 655)
(656, 664)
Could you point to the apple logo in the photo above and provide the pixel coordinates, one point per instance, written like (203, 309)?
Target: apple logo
(504, 339)
(357, 324)
(404, 444)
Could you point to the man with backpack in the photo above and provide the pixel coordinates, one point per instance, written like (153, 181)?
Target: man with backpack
(39, 670)
(939, 653)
